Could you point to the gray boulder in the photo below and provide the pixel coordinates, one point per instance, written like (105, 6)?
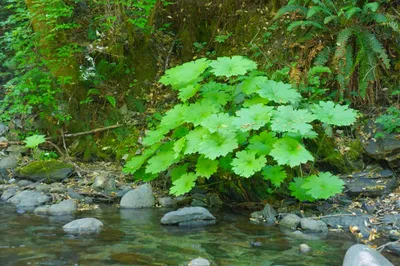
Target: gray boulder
(189, 216)
(24, 183)
(49, 171)
(345, 221)
(312, 226)
(140, 197)
(361, 255)
(199, 262)
(9, 162)
(8, 193)
(28, 198)
(290, 221)
(66, 207)
(83, 226)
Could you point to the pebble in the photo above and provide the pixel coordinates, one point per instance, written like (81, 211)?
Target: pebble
(304, 248)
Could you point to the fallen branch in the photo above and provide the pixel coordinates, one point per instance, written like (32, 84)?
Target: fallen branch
(5, 144)
(381, 248)
(332, 215)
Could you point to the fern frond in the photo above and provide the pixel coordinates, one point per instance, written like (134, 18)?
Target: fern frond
(322, 57)
(302, 23)
(329, 5)
(373, 43)
(349, 60)
(342, 40)
(354, 10)
(290, 9)
(330, 18)
(317, 9)
(318, 70)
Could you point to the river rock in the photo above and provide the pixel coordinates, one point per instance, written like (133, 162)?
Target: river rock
(9, 162)
(43, 188)
(140, 197)
(373, 182)
(345, 221)
(3, 139)
(8, 193)
(304, 248)
(312, 226)
(83, 226)
(3, 129)
(65, 207)
(269, 213)
(104, 182)
(386, 148)
(199, 262)
(361, 255)
(167, 202)
(189, 216)
(16, 150)
(48, 171)
(24, 183)
(394, 248)
(290, 221)
(28, 198)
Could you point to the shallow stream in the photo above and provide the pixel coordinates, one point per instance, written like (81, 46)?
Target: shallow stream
(136, 237)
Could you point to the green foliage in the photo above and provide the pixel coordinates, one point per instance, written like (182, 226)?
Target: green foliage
(233, 135)
(352, 34)
(34, 141)
(390, 121)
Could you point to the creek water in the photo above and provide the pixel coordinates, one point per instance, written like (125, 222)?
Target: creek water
(136, 237)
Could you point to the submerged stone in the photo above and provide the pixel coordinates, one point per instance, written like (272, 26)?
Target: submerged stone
(49, 171)
(199, 262)
(83, 226)
(189, 217)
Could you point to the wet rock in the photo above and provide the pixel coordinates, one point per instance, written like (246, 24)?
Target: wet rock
(43, 188)
(394, 235)
(214, 200)
(394, 248)
(167, 202)
(140, 197)
(391, 219)
(9, 162)
(48, 171)
(28, 198)
(3, 129)
(199, 262)
(256, 244)
(12, 181)
(83, 226)
(312, 226)
(65, 207)
(104, 182)
(361, 255)
(24, 183)
(345, 221)
(304, 248)
(290, 221)
(88, 200)
(373, 182)
(269, 214)
(387, 148)
(8, 193)
(300, 235)
(189, 216)
(57, 189)
(74, 195)
(370, 208)
(257, 217)
(199, 200)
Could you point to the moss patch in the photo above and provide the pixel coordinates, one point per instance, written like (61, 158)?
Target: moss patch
(45, 170)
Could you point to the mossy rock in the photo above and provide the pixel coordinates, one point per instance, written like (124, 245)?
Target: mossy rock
(48, 171)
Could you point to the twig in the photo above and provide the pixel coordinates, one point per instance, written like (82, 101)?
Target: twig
(90, 131)
(332, 215)
(169, 54)
(56, 147)
(63, 140)
(380, 248)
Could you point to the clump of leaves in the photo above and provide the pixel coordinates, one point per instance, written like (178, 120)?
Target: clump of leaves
(34, 141)
(239, 123)
(390, 121)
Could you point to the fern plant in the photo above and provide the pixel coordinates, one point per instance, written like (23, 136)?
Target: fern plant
(230, 121)
(348, 31)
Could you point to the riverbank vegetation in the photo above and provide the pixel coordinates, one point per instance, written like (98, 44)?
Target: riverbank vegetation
(254, 99)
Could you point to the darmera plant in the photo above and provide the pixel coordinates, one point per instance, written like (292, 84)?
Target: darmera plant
(232, 121)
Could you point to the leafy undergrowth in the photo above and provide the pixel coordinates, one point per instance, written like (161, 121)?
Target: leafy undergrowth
(233, 120)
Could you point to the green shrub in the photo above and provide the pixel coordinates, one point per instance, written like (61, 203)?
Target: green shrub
(230, 121)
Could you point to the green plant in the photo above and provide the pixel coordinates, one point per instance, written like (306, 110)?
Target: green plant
(350, 36)
(231, 122)
(222, 38)
(390, 121)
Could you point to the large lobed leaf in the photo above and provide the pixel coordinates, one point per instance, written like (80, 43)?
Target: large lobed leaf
(232, 66)
(246, 163)
(288, 151)
(278, 92)
(254, 117)
(286, 119)
(334, 114)
(183, 184)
